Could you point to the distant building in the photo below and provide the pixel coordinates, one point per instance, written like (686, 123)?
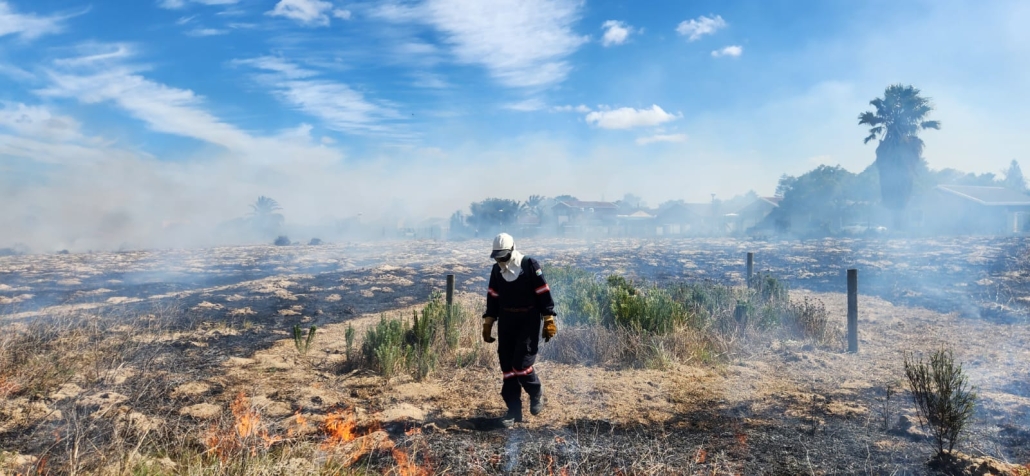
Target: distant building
(968, 209)
(583, 217)
(639, 223)
(755, 213)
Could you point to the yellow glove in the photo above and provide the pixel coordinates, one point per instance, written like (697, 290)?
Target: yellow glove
(488, 327)
(550, 329)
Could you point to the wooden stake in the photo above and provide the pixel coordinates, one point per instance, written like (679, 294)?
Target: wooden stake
(750, 267)
(853, 310)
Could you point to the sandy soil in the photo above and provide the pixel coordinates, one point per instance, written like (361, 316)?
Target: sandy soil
(777, 407)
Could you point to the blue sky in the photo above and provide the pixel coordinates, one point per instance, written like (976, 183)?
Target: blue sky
(160, 111)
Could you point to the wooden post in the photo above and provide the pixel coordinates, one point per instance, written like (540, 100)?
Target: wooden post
(750, 267)
(853, 310)
(450, 293)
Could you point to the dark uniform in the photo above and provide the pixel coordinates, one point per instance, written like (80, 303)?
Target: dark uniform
(518, 305)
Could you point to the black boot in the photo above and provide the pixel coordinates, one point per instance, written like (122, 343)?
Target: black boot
(513, 416)
(536, 403)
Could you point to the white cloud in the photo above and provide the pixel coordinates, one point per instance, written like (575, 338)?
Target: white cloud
(38, 121)
(177, 4)
(342, 14)
(522, 43)
(430, 81)
(695, 28)
(661, 138)
(569, 108)
(308, 12)
(627, 117)
(528, 105)
(29, 25)
(733, 50)
(338, 105)
(615, 33)
(201, 32)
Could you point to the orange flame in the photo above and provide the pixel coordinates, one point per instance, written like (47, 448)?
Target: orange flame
(339, 427)
(702, 456)
(246, 432)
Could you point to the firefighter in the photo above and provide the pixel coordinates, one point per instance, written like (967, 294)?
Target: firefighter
(519, 300)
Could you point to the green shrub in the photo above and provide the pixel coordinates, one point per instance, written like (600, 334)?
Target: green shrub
(943, 398)
(769, 288)
(282, 240)
(807, 319)
(579, 298)
(383, 348)
(348, 337)
(302, 343)
(419, 355)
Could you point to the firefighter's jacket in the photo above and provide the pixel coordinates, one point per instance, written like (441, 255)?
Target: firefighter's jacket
(527, 294)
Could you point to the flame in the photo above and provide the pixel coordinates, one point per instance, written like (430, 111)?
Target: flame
(8, 387)
(247, 432)
(702, 456)
(340, 428)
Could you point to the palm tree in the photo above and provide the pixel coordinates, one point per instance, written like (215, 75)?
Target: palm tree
(263, 214)
(898, 118)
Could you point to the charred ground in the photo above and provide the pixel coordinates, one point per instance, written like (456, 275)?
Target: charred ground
(173, 338)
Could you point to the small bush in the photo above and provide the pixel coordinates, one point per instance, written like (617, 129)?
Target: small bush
(348, 336)
(943, 398)
(383, 348)
(807, 319)
(303, 343)
(282, 240)
(769, 288)
(315, 242)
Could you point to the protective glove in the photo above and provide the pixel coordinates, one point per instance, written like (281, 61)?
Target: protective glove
(488, 327)
(550, 329)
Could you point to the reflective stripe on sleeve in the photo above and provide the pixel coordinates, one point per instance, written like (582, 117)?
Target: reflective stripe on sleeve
(491, 292)
(543, 289)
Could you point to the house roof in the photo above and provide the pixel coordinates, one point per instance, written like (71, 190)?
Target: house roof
(638, 215)
(761, 206)
(990, 196)
(582, 204)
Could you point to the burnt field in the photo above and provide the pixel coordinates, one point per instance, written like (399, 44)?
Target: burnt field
(149, 355)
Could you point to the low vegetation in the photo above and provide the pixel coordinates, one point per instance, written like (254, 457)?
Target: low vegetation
(943, 397)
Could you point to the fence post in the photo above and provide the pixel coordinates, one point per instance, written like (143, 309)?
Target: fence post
(750, 267)
(450, 294)
(853, 310)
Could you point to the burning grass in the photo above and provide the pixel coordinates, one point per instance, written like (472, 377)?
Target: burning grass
(673, 377)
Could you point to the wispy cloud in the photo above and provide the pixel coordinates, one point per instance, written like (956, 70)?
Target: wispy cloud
(569, 108)
(528, 105)
(308, 12)
(430, 80)
(733, 51)
(28, 25)
(661, 138)
(522, 43)
(201, 32)
(177, 4)
(695, 28)
(38, 121)
(615, 33)
(339, 106)
(628, 118)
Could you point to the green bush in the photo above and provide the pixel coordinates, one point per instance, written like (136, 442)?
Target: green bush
(942, 395)
(579, 298)
(383, 348)
(302, 343)
(807, 319)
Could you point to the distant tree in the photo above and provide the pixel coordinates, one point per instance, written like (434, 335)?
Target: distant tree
(263, 215)
(458, 227)
(896, 122)
(816, 200)
(1014, 177)
(534, 205)
(785, 184)
(493, 214)
(565, 198)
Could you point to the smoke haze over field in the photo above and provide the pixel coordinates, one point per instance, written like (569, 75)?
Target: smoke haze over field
(153, 131)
